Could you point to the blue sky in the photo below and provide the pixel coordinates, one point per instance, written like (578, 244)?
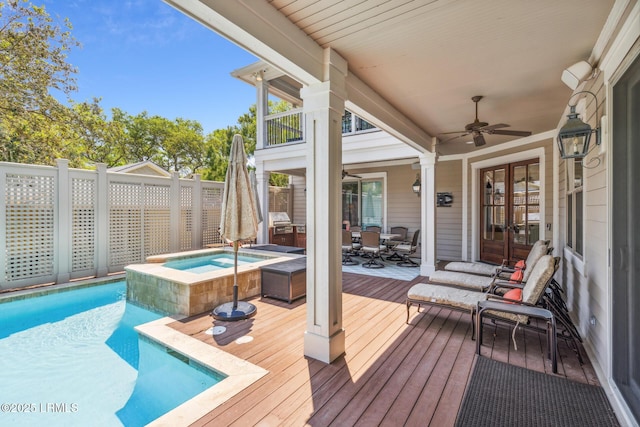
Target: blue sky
(143, 55)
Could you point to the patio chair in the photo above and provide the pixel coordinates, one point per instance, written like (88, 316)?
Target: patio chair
(467, 301)
(371, 249)
(538, 249)
(406, 250)
(483, 283)
(347, 248)
(355, 228)
(392, 243)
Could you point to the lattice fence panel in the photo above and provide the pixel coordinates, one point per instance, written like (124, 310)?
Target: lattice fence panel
(186, 218)
(125, 223)
(157, 221)
(83, 244)
(211, 210)
(30, 220)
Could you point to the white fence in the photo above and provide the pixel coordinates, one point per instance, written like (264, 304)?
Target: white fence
(58, 224)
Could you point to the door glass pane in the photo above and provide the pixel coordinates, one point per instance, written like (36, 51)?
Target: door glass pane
(372, 203)
(519, 218)
(494, 209)
(533, 203)
(488, 188)
(499, 223)
(350, 202)
(498, 187)
(488, 223)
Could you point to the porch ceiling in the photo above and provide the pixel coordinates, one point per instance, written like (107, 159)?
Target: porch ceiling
(428, 58)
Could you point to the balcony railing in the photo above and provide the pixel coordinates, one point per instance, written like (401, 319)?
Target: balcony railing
(288, 127)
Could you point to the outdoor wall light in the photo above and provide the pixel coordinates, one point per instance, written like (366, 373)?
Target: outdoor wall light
(416, 185)
(574, 136)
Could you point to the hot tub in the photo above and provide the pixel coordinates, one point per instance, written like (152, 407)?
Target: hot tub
(194, 282)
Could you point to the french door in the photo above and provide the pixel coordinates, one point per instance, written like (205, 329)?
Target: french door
(510, 211)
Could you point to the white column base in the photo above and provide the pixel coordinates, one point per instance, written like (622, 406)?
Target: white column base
(426, 270)
(322, 348)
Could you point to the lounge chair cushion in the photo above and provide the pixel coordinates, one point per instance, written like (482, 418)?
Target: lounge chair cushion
(540, 276)
(537, 251)
(445, 295)
(464, 280)
(472, 267)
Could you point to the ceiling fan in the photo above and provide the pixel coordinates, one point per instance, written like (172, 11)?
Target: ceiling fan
(347, 174)
(477, 128)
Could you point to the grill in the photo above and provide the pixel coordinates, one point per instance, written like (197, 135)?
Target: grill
(280, 223)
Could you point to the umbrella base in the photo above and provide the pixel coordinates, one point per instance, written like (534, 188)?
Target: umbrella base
(244, 310)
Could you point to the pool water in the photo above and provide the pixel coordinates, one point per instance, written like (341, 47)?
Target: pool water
(207, 263)
(73, 358)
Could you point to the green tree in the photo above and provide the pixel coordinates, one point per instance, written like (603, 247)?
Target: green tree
(33, 64)
(95, 138)
(183, 148)
(218, 145)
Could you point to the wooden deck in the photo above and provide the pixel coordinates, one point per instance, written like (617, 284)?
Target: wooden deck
(392, 373)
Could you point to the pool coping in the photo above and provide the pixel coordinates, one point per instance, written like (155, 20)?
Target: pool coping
(154, 265)
(240, 374)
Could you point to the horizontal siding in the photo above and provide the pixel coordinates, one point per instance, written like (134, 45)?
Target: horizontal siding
(299, 200)
(449, 219)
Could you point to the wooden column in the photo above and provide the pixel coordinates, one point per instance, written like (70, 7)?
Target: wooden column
(324, 338)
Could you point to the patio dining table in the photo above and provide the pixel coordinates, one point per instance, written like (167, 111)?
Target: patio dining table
(383, 236)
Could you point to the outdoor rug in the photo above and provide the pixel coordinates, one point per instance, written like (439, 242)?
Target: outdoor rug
(390, 270)
(504, 395)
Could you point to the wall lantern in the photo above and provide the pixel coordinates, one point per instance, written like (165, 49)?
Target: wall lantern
(574, 136)
(416, 185)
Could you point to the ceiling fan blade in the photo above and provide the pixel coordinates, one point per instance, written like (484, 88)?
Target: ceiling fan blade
(478, 139)
(511, 132)
(492, 127)
(451, 133)
(453, 137)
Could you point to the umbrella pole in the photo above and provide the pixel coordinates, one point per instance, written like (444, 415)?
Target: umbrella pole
(235, 275)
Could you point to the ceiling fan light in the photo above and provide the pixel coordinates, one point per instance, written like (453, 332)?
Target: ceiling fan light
(478, 139)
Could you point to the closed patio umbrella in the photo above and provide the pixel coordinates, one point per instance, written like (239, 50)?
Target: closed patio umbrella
(239, 221)
(254, 186)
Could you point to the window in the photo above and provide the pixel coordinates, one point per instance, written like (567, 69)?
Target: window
(575, 216)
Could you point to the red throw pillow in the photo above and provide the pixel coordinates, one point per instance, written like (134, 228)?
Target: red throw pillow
(516, 276)
(513, 294)
(520, 265)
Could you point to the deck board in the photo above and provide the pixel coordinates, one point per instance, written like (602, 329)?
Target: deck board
(392, 373)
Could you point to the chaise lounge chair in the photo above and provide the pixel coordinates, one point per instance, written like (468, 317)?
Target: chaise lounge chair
(467, 301)
(483, 283)
(538, 249)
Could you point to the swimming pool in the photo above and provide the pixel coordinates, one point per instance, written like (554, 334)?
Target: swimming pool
(207, 263)
(74, 358)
